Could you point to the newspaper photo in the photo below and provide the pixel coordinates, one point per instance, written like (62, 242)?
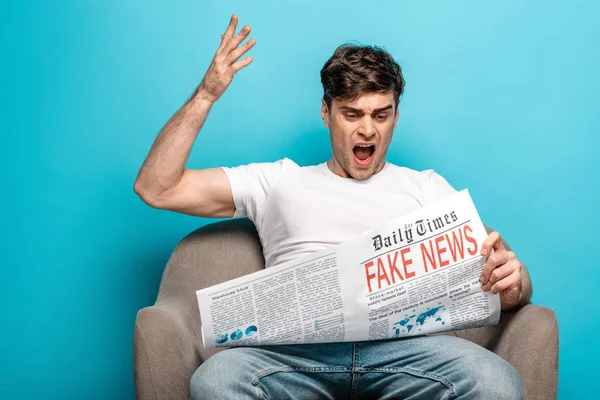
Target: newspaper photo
(413, 275)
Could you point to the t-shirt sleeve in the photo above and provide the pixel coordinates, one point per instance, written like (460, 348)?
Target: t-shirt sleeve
(251, 186)
(437, 187)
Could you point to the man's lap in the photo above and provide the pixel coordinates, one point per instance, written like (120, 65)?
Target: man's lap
(422, 367)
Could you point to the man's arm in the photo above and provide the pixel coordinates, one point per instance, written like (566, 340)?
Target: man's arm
(163, 182)
(504, 273)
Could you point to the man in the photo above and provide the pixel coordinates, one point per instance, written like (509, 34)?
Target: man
(299, 210)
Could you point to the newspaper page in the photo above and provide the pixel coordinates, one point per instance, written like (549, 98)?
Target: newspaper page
(414, 275)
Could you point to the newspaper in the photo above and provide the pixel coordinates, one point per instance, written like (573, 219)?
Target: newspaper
(414, 275)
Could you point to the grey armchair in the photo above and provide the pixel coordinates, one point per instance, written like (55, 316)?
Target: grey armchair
(167, 341)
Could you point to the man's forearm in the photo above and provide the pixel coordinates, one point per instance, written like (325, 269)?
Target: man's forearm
(168, 156)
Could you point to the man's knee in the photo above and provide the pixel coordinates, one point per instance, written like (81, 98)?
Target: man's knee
(495, 378)
(225, 375)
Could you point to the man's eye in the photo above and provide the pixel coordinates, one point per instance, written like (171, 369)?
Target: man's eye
(381, 117)
(350, 116)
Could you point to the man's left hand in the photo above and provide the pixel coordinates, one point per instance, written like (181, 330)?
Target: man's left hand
(502, 272)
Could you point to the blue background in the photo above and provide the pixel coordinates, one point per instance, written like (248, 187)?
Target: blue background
(501, 97)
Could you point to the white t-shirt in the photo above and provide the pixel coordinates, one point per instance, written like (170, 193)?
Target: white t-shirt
(300, 210)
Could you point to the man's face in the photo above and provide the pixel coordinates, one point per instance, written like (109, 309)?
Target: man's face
(360, 132)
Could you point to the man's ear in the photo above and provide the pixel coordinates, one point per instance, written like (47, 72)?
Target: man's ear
(396, 117)
(324, 113)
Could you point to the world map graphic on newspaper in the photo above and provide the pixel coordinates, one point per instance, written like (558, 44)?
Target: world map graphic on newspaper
(418, 321)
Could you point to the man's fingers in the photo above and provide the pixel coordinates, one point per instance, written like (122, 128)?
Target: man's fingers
(236, 40)
(226, 37)
(511, 281)
(500, 273)
(493, 241)
(237, 53)
(493, 262)
(241, 64)
(231, 27)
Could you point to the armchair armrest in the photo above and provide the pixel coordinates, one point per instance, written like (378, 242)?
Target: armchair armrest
(162, 338)
(167, 339)
(529, 342)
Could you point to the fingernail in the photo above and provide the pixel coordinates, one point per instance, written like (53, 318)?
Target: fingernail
(483, 252)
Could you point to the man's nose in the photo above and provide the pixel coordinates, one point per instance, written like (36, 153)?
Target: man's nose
(366, 127)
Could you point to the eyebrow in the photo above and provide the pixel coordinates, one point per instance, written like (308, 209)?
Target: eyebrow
(357, 110)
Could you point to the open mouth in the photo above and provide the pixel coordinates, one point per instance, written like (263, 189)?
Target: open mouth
(363, 154)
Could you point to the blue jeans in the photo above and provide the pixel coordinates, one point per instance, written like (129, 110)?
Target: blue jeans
(422, 367)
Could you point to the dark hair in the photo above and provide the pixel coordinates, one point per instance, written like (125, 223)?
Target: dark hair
(354, 70)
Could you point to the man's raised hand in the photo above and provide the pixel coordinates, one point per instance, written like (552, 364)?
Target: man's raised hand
(225, 63)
